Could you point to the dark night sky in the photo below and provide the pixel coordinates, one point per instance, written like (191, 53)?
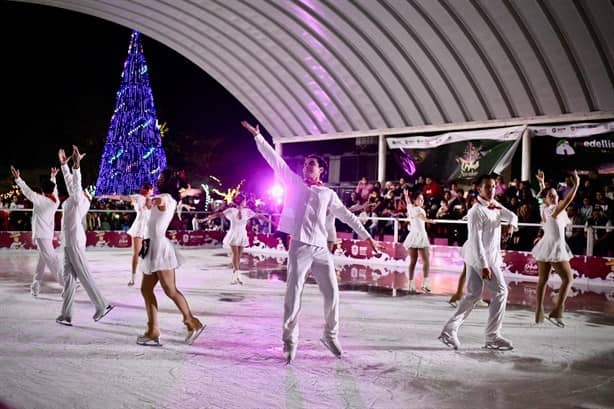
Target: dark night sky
(61, 72)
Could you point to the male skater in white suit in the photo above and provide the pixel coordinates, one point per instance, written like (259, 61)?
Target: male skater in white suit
(304, 219)
(44, 207)
(482, 253)
(73, 240)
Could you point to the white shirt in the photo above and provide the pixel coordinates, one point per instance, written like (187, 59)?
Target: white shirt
(483, 246)
(43, 211)
(305, 209)
(75, 208)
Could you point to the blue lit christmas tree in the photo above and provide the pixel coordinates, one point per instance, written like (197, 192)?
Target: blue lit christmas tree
(133, 153)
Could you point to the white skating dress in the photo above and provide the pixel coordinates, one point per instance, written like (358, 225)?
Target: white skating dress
(417, 237)
(237, 235)
(552, 246)
(142, 216)
(162, 254)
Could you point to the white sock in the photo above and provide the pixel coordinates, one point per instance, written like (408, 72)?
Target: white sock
(426, 282)
(411, 284)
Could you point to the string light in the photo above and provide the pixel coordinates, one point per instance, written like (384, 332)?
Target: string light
(131, 139)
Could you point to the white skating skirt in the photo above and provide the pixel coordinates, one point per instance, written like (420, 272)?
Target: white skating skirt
(162, 255)
(552, 251)
(137, 229)
(237, 238)
(416, 240)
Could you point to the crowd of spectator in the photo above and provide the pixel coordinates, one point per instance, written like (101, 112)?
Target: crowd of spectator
(593, 206)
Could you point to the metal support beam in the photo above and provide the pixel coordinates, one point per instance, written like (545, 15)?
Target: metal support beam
(525, 171)
(381, 159)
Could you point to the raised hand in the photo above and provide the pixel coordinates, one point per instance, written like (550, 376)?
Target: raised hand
(62, 157)
(77, 156)
(576, 178)
(540, 176)
(15, 172)
(253, 130)
(53, 172)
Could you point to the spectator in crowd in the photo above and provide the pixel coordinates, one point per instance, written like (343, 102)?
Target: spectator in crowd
(363, 189)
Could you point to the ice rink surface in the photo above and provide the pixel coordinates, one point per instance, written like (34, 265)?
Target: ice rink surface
(393, 358)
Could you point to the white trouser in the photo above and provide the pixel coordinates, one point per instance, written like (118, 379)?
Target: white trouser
(75, 266)
(47, 257)
(301, 259)
(498, 292)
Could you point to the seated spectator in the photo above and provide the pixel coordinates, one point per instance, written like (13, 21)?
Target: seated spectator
(586, 211)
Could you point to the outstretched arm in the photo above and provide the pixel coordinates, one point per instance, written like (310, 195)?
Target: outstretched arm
(31, 195)
(280, 167)
(570, 196)
(342, 213)
(68, 178)
(52, 176)
(116, 197)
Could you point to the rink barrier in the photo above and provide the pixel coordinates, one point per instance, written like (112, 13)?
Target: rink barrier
(443, 258)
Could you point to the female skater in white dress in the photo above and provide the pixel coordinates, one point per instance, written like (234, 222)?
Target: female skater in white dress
(137, 230)
(417, 241)
(236, 237)
(553, 252)
(159, 264)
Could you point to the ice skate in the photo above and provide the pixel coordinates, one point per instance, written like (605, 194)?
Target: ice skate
(289, 352)
(498, 343)
(150, 338)
(35, 288)
(449, 340)
(64, 321)
(195, 328)
(235, 278)
(332, 344)
(556, 321)
(100, 314)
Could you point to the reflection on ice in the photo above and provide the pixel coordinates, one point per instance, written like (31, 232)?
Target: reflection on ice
(390, 280)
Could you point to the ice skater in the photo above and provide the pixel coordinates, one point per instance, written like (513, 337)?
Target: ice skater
(482, 254)
(552, 252)
(73, 240)
(236, 238)
(417, 241)
(160, 259)
(304, 219)
(137, 230)
(43, 217)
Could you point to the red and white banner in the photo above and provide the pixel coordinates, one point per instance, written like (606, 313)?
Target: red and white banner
(353, 255)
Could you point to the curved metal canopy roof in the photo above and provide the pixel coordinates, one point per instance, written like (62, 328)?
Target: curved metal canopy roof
(313, 68)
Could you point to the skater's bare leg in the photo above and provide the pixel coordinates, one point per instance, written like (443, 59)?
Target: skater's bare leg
(148, 284)
(544, 273)
(563, 269)
(460, 287)
(167, 280)
(413, 258)
(137, 243)
(425, 256)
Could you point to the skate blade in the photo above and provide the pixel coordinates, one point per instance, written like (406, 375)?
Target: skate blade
(332, 349)
(104, 313)
(496, 348)
(66, 323)
(150, 343)
(556, 321)
(194, 335)
(447, 342)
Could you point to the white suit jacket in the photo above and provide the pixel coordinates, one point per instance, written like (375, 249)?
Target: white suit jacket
(43, 211)
(305, 208)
